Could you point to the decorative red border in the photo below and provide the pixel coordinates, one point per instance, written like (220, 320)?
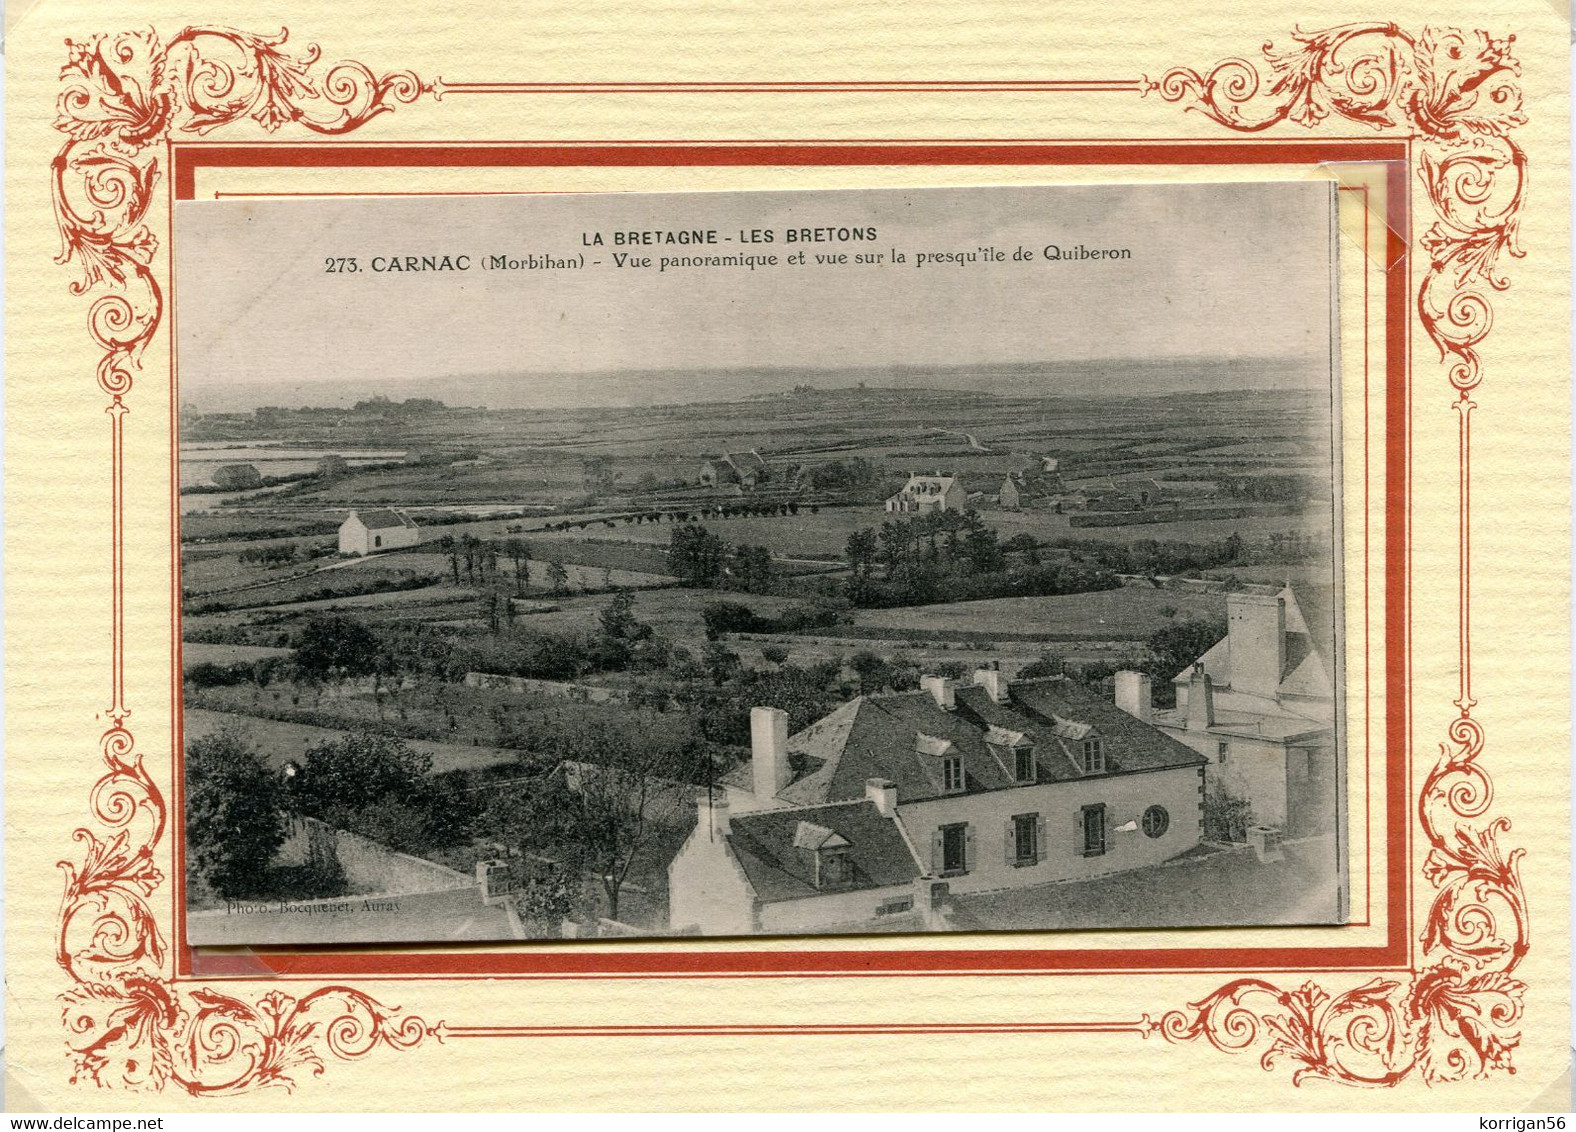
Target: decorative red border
(1451, 1014)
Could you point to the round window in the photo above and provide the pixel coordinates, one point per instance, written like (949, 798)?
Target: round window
(1156, 821)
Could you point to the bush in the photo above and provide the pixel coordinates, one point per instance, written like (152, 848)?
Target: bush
(1226, 816)
(233, 821)
(209, 675)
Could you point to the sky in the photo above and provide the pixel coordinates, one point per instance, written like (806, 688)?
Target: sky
(1214, 271)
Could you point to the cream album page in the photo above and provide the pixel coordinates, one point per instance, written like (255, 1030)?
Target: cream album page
(829, 556)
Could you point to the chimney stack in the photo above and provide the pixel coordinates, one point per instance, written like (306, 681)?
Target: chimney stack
(883, 793)
(941, 690)
(1135, 694)
(1256, 638)
(989, 677)
(769, 751)
(1200, 700)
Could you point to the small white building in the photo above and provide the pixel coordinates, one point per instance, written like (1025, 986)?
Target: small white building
(923, 494)
(1260, 706)
(371, 532)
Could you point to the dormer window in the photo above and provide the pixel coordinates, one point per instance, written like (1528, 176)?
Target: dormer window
(833, 868)
(952, 774)
(1026, 772)
(943, 763)
(828, 850)
(1093, 755)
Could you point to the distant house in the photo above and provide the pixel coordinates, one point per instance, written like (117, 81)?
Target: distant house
(1260, 705)
(237, 477)
(376, 530)
(923, 494)
(1027, 489)
(891, 801)
(331, 466)
(746, 470)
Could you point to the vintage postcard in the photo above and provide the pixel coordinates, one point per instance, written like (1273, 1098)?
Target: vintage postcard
(856, 558)
(760, 563)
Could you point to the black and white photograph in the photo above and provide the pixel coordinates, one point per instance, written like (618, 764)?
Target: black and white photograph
(760, 563)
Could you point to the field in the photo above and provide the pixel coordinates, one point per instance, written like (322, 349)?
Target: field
(601, 492)
(282, 742)
(1129, 613)
(195, 652)
(825, 535)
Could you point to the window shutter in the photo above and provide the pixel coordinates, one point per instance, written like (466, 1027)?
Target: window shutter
(935, 852)
(970, 858)
(1039, 838)
(1012, 847)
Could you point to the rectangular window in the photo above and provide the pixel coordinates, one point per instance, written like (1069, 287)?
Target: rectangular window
(1026, 839)
(954, 848)
(1222, 753)
(1025, 765)
(894, 907)
(952, 774)
(1094, 831)
(1093, 757)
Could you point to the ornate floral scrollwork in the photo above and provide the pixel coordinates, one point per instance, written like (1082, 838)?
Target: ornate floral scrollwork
(128, 1023)
(1455, 92)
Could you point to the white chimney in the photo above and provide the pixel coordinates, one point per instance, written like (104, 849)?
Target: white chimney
(941, 690)
(769, 751)
(718, 808)
(990, 678)
(1256, 632)
(883, 793)
(1134, 694)
(1200, 700)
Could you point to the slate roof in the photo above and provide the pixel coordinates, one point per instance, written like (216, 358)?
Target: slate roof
(888, 736)
(770, 847)
(382, 519)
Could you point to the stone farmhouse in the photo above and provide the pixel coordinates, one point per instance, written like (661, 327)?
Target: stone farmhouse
(1028, 489)
(923, 494)
(1260, 706)
(876, 813)
(747, 470)
(376, 530)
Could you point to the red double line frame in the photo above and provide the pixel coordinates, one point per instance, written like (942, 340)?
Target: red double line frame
(697, 958)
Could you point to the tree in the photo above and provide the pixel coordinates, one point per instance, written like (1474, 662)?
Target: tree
(1175, 646)
(333, 648)
(871, 668)
(619, 621)
(545, 901)
(861, 553)
(696, 556)
(1049, 664)
(342, 777)
(519, 555)
(775, 654)
(233, 821)
(722, 663)
(447, 545)
(557, 577)
(617, 800)
(599, 813)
